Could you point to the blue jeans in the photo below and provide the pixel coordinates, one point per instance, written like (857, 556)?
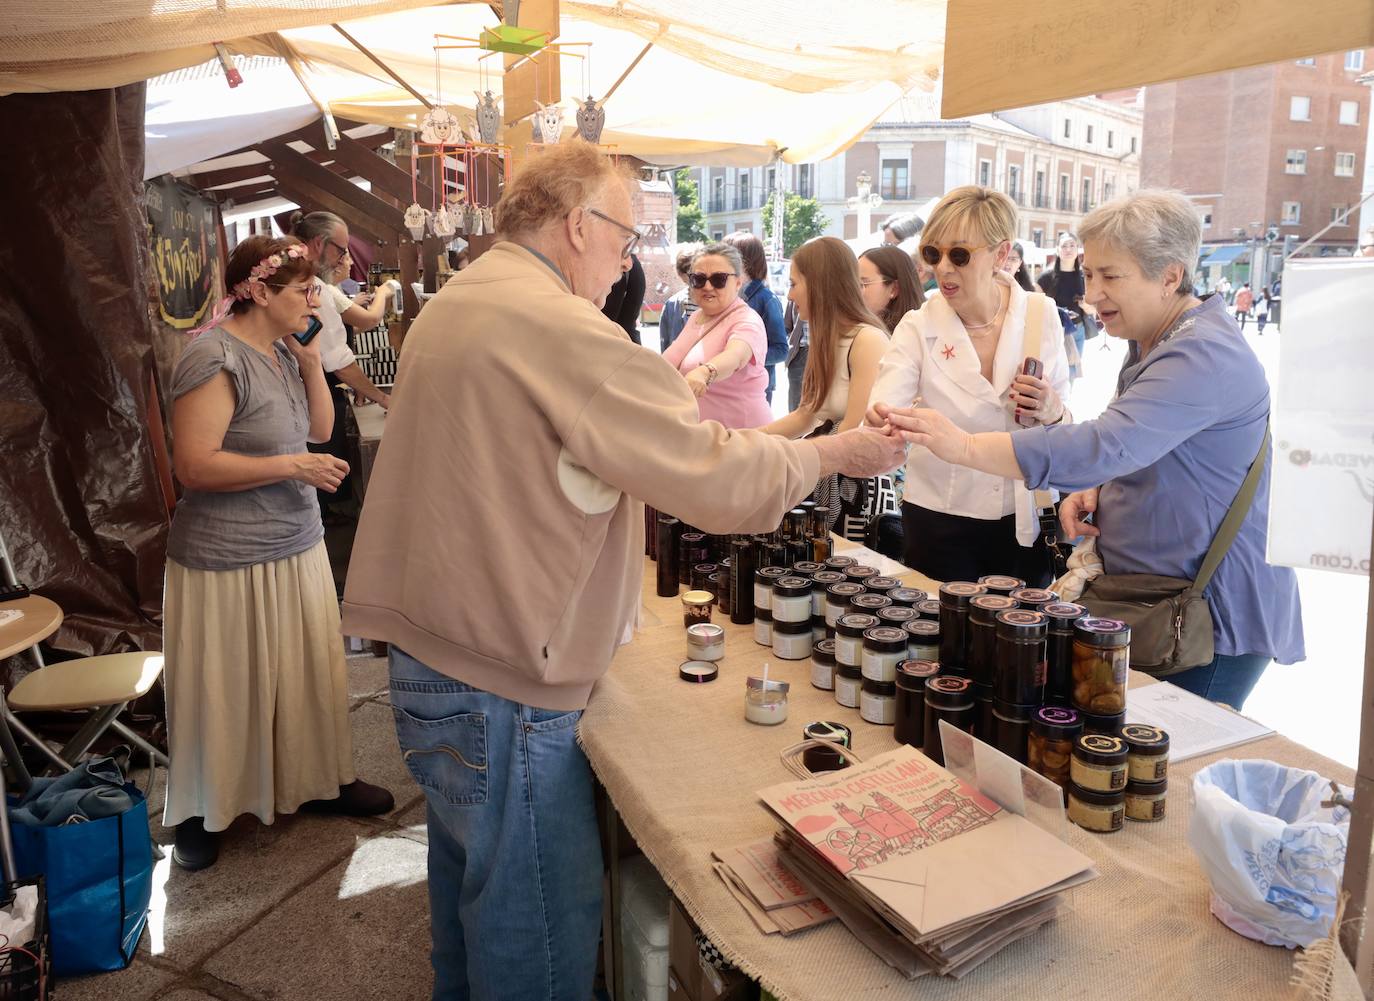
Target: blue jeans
(1228, 679)
(514, 855)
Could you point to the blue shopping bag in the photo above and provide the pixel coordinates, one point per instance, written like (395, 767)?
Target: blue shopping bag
(99, 872)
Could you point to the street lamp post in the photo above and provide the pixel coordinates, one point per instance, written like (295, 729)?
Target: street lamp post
(864, 202)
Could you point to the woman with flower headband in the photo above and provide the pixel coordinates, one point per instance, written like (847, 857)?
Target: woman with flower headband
(257, 687)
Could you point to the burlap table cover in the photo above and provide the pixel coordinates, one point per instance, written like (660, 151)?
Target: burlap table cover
(682, 766)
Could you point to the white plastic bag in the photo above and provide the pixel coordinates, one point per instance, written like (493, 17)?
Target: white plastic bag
(1273, 853)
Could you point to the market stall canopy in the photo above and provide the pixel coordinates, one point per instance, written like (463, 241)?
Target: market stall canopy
(1226, 253)
(999, 57)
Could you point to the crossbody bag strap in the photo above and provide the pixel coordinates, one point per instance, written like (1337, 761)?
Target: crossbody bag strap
(1235, 517)
(1035, 332)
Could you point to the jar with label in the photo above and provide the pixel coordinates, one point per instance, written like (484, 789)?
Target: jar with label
(1101, 662)
(839, 563)
(792, 640)
(1099, 812)
(882, 585)
(820, 759)
(763, 626)
(982, 635)
(1020, 675)
(792, 600)
(1108, 723)
(896, 615)
(928, 609)
(849, 638)
(1147, 753)
(954, 608)
(765, 701)
(922, 639)
(1098, 763)
(1053, 732)
(878, 702)
(764, 579)
(820, 583)
(947, 698)
(691, 551)
(910, 723)
(700, 575)
(1145, 801)
(823, 664)
(1001, 584)
(806, 568)
(859, 573)
(705, 641)
(907, 596)
(869, 603)
(696, 607)
(884, 648)
(848, 683)
(742, 563)
(837, 598)
(1011, 729)
(1033, 598)
(1060, 617)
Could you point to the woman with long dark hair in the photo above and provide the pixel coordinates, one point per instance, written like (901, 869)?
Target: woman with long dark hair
(891, 287)
(1015, 265)
(1064, 284)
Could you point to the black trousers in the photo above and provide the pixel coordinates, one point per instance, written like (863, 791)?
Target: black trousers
(337, 445)
(948, 547)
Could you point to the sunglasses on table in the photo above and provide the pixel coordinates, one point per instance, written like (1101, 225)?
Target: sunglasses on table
(698, 279)
(958, 256)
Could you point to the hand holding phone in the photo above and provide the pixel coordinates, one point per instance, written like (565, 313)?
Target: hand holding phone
(307, 335)
(1034, 368)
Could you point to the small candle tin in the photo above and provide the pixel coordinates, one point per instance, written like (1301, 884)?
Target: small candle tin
(765, 700)
(696, 607)
(1147, 753)
(1100, 812)
(878, 702)
(698, 671)
(1098, 763)
(1146, 801)
(705, 641)
(792, 600)
(823, 664)
(820, 759)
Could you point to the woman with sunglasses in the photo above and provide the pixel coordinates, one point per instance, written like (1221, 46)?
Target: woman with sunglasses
(962, 354)
(722, 349)
(257, 687)
(891, 287)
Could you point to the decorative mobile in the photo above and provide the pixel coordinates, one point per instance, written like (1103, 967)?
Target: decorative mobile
(488, 117)
(440, 126)
(548, 122)
(442, 224)
(591, 119)
(416, 218)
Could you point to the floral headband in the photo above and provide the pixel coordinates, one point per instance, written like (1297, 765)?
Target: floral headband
(263, 270)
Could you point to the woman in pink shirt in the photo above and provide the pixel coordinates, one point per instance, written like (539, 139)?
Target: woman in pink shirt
(721, 350)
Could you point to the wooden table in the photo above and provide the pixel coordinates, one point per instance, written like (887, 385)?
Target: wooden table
(40, 620)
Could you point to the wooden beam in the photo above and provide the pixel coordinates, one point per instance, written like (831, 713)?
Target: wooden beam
(266, 188)
(384, 67)
(286, 162)
(308, 196)
(228, 175)
(384, 176)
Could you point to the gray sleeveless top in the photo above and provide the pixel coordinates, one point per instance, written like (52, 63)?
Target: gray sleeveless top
(214, 530)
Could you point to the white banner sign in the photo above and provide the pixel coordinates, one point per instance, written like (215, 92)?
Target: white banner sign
(1322, 496)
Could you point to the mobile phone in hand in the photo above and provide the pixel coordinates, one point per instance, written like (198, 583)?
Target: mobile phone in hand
(307, 335)
(1033, 368)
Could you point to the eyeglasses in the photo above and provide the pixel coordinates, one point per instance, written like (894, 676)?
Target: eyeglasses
(865, 282)
(312, 291)
(634, 237)
(341, 248)
(698, 279)
(958, 256)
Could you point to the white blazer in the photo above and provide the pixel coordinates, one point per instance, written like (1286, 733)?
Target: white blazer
(931, 357)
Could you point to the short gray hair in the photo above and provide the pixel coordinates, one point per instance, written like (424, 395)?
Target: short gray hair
(306, 227)
(721, 250)
(1156, 227)
(905, 226)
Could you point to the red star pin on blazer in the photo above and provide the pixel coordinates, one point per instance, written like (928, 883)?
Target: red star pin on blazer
(948, 352)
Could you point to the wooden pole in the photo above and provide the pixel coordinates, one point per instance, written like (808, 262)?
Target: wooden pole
(383, 66)
(1359, 948)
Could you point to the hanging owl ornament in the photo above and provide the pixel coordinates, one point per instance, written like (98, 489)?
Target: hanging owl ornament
(591, 119)
(440, 127)
(415, 219)
(548, 122)
(488, 117)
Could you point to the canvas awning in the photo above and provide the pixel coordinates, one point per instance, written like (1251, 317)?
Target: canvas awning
(1226, 253)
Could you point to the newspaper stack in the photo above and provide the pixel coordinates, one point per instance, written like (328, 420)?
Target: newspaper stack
(770, 893)
(926, 871)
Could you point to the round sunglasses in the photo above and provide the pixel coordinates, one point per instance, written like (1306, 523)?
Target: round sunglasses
(958, 256)
(698, 279)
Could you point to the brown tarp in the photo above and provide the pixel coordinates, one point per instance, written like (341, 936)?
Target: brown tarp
(80, 504)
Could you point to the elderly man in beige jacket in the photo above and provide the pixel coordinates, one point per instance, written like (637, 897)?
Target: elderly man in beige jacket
(499, 553)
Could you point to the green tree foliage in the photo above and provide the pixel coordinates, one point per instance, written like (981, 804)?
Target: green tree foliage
(690, 226)
(803, 220)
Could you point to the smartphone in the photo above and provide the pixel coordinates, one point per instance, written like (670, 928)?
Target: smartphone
(308, 334)
(1033, 368)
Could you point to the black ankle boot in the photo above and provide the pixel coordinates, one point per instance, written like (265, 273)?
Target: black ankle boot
(196, 848)
(357, 799)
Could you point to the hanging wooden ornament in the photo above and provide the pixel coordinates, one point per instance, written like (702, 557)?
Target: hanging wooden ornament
(548, 122)
(488, 117)
(591, 119)
(440, 126)
(415, 219)
(441, 224)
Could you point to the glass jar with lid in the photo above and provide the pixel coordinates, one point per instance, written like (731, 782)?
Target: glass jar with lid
(909, 725)
(765, 701)
(1098, 763)
(1020, 675)
(907, 596)
(1033, 598)
(849, 638)
(823, 665)
(1053, 732)
(1001, 584)
(922, 639)
(869, 603)
(792, 601)
(837, 598)
(881, 585)
(1101, 664)
(954, 609)
(982, 635)
(884, 647)
(948, 698)
(878, 702)
(1060, 617)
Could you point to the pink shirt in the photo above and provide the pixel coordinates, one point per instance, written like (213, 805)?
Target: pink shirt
(739, 401)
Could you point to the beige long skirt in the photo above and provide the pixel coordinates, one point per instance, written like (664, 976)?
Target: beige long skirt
(257, 690)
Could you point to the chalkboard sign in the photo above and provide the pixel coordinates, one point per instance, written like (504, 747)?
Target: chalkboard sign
(185, 248)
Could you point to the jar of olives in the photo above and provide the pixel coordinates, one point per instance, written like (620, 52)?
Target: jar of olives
(1052, 734)
(1101, 661)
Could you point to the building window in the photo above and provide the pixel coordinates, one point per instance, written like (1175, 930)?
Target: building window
(1340, 215)
(1345, 164)
(1038, 237)
(1307, 62)
(1133, 142)
(1350, 113)
(1300, 109)
(742, 190)
(1090, 135)
(1354, 60)
(1068, 129)
(894, 182)
(1296, 162)
(1111, 139)
(1041, 201)
(771, 183)
(985, 173)
(1014, 182)
(1292, 213)
(1207, 220)
(1087, 195)
(1065, 199)
(804, 180)
(717, 235)
(718, 194)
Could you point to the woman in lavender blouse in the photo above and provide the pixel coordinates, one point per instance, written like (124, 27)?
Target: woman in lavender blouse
(1158, 470)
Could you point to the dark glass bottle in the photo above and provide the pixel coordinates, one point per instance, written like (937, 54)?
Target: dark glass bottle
(982, 635)
(954, 608)
(742, 581)
(667, 556)
(1020, 676)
